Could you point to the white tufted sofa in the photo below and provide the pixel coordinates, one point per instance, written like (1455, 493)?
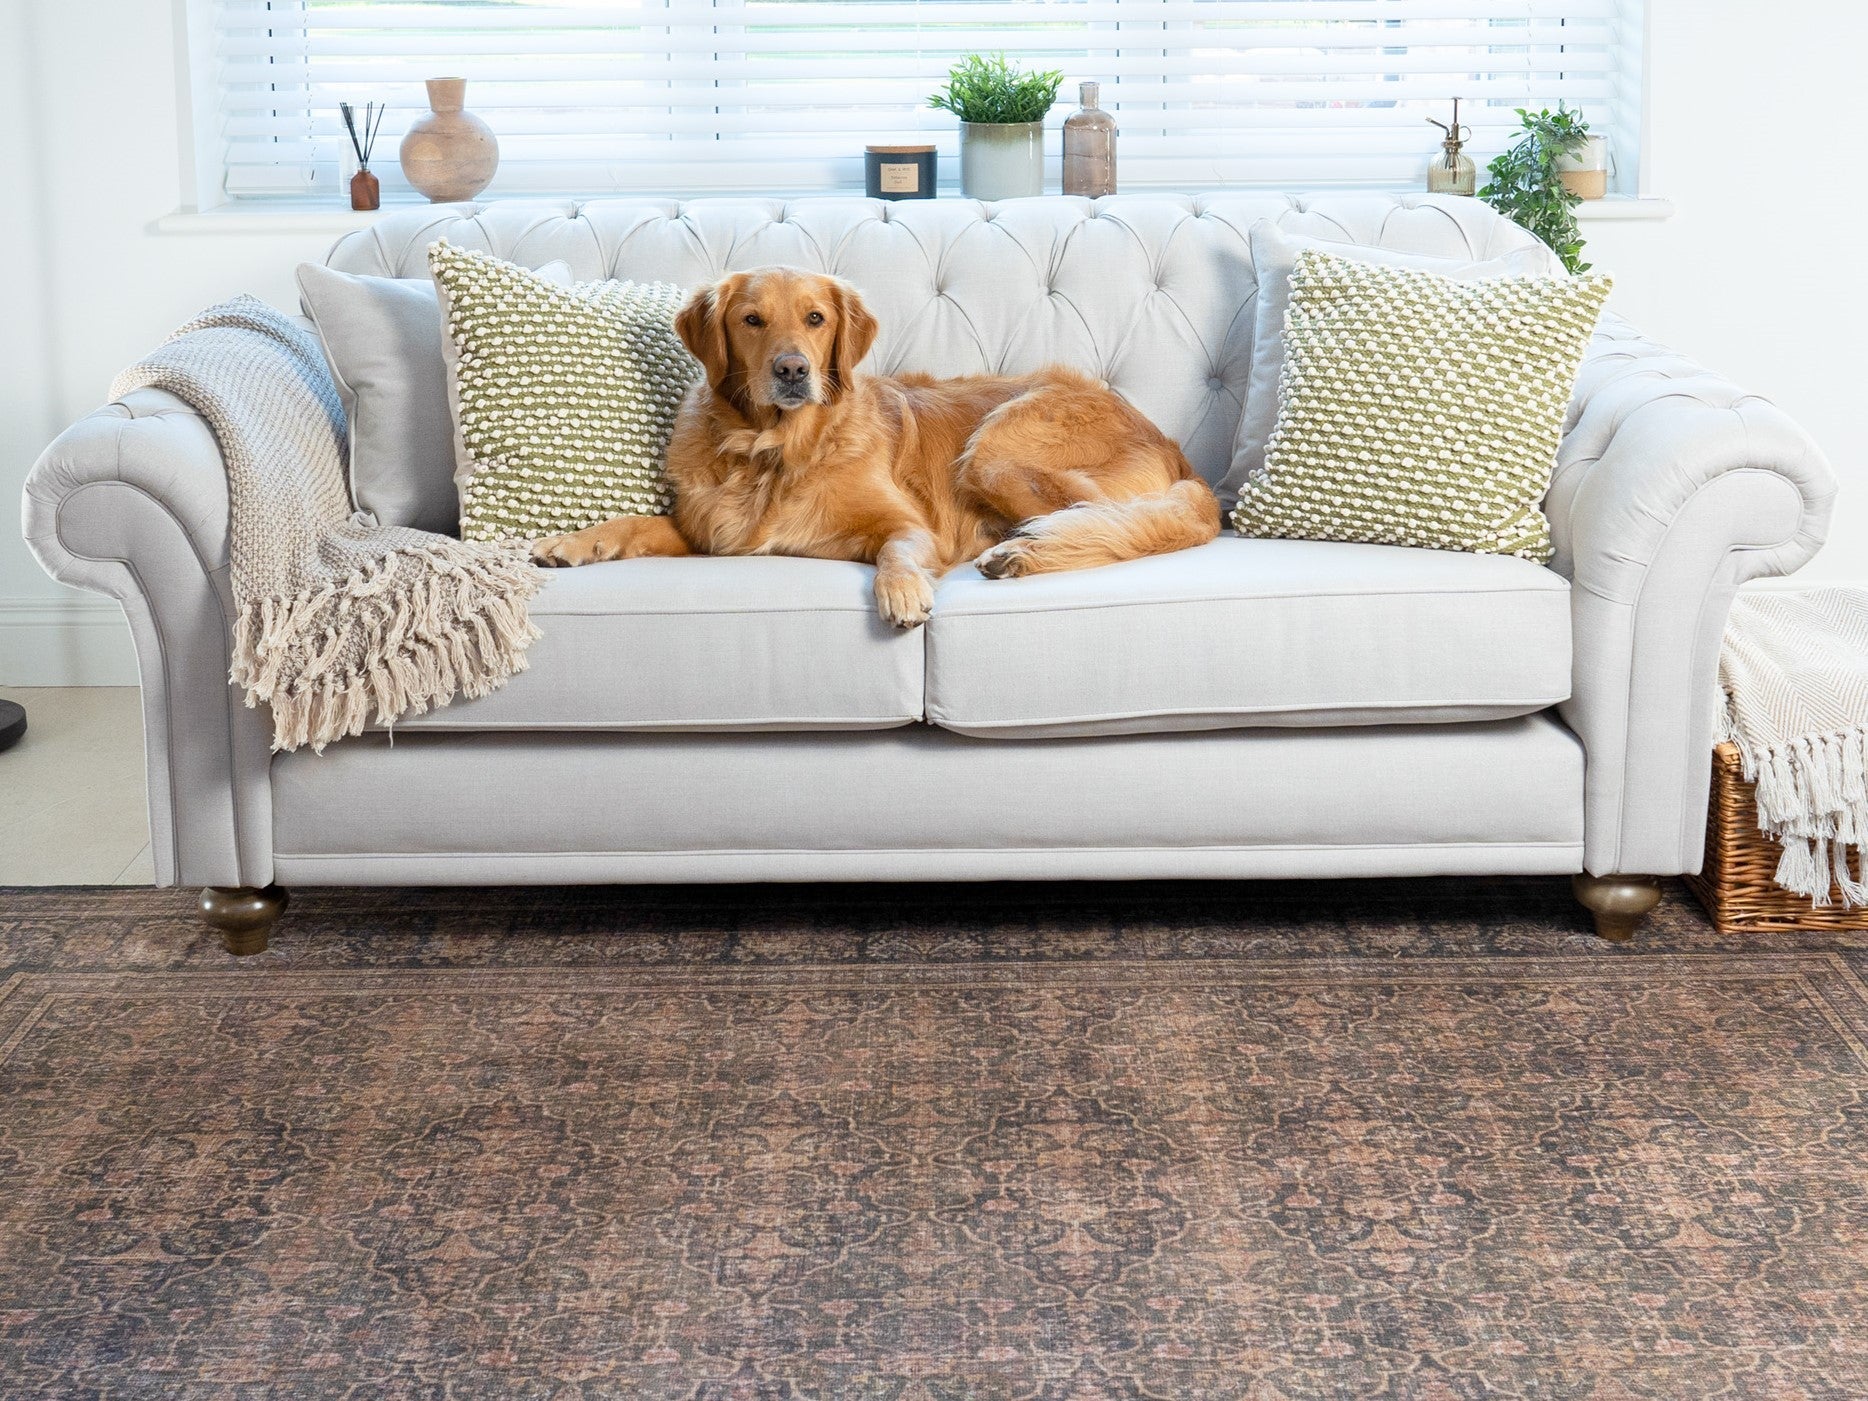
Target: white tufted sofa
(1250, 709)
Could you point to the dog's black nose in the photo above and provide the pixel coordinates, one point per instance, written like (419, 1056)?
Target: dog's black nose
(791, 368)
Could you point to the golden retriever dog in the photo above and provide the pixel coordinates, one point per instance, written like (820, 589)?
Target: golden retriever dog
(783, 448)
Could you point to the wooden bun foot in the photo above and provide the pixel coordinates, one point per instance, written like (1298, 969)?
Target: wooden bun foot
(243, 914)
(1619, 903)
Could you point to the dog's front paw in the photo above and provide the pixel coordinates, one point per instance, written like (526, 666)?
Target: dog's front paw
(1006, 560)
(564, 550)
(904, 599)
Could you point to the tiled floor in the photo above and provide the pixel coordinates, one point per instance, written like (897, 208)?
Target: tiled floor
(73, 809)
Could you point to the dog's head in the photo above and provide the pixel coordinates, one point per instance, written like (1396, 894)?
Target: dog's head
(777, 338)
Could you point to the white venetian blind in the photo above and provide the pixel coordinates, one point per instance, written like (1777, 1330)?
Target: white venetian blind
(595, 96)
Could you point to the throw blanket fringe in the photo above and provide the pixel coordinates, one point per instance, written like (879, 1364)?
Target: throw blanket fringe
(455, 627)
(1794, 672)
(339, 620)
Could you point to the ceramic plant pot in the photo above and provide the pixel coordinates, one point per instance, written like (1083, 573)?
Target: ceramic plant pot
(1001, 160)
(1587, 172)
(450, 154)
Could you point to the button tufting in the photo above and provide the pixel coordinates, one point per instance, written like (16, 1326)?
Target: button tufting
(977, 305)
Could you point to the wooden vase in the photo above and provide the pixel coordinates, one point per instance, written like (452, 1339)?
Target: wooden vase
(366, 191)
(450, 154)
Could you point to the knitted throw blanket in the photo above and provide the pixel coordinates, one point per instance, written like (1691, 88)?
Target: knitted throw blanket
(340, 620)
(1794, 670)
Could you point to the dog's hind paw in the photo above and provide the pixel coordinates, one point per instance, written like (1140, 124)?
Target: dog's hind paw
(1008, 559)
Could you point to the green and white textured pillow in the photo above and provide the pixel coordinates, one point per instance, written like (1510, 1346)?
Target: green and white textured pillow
(564, 398)
(1414, 409)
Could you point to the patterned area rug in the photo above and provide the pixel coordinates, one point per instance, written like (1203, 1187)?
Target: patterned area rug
(1408, 1139)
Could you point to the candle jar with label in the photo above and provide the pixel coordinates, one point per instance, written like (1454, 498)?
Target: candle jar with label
(899, 172)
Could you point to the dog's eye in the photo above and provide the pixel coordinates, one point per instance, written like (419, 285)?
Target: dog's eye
(816, 318)
(754, 319)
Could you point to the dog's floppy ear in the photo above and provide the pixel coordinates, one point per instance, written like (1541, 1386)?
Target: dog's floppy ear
(856, 333)
(703, 329)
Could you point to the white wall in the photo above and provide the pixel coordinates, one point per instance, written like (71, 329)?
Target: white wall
(1759, 274)
(92, 158)
(1753, 127)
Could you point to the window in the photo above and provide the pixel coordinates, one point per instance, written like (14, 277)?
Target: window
(604, 96)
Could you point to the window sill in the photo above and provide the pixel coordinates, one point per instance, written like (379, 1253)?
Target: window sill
(295, 217)
(1619, 207)
(270, 217)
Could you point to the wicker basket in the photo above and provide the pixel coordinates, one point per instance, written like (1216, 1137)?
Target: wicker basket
(1735, 884)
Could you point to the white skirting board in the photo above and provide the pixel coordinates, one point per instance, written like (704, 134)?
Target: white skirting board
(78, 640)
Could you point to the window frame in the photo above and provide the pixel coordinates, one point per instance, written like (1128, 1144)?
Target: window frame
(205, 148)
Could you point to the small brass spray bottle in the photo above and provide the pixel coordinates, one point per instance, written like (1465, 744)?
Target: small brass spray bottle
(1452, 172)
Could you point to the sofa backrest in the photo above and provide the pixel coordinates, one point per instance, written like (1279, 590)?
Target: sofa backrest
(1153, 293)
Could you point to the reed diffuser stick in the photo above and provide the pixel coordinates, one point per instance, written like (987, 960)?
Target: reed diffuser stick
(363, 140)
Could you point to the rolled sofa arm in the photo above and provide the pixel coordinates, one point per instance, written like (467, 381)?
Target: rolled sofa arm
(1672, 488)
(131, 501)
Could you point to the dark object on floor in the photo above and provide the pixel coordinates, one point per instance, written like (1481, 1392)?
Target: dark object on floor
(244, 916)
(1401, 1138)
(12, 724)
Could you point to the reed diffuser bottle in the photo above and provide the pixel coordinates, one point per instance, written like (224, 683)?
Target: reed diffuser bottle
(366, 191)
(1089, 146)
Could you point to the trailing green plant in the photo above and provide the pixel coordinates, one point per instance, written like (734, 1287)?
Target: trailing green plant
(993, 89)
(1527, 186)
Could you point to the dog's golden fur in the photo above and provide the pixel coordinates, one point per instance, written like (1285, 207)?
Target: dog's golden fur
(782, 448)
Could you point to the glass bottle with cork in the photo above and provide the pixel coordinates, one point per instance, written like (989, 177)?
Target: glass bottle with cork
(1452, 172)
(1089, 146)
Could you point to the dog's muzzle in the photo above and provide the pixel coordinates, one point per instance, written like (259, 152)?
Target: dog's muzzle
(791, 380)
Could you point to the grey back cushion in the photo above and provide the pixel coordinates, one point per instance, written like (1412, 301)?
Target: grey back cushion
(382, 338)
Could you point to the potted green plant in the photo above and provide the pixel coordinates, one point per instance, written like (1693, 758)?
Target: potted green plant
(1527, 184)
(1001, 110)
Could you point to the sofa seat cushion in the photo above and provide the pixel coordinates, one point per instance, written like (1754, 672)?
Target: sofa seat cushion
(704, 644)
(1244, 633)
